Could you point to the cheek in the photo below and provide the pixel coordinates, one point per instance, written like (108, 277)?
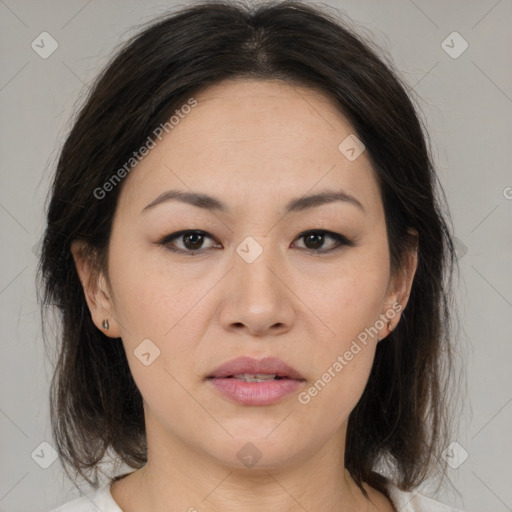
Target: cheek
(150, 297)
(349, 304)
(344, 357)
(351, 297)
(155, 302)
(156, 321)
(328, 401)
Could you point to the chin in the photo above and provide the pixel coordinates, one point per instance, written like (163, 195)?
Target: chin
(256, 450)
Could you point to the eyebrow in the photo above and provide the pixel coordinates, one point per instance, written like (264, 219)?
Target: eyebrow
(295, 205)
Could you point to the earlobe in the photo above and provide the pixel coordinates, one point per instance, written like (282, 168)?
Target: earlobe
(389, 320)
(95, 290)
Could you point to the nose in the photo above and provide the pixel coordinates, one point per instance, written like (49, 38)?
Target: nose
(259, 301)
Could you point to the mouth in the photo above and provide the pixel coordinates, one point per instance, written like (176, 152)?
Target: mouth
(243, 368)
(249, 381)
(259, 377)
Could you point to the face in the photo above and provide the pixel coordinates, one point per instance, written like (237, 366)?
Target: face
(265, 273)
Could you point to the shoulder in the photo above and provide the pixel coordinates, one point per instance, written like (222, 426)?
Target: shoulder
(413, 501)
(101, 499)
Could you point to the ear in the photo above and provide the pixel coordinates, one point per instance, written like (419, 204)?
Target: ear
(96, 290)
(400, 287)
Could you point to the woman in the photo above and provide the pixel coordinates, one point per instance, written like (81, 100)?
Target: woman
(247, 249)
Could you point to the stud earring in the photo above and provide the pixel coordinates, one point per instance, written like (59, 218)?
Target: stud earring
(390, 326)
(105, 324)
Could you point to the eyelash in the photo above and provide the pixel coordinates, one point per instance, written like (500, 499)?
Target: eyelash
(341, 241)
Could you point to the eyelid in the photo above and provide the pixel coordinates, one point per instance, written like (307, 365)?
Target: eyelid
(341, 240)
(165, 240)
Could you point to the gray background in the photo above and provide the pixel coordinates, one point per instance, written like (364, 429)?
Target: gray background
(467, 105)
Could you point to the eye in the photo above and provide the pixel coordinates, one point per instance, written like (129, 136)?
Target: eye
(191, 242)
(187, 242)
(314, 240)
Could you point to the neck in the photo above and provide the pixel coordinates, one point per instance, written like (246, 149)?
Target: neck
(179, 477)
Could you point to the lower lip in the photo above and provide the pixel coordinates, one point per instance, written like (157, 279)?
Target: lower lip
(256, 393)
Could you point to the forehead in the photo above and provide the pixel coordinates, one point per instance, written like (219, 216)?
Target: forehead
(245, 139)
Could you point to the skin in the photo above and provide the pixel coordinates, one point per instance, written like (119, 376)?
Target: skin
(254, 145)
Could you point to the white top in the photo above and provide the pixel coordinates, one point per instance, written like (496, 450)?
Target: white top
(102, 500)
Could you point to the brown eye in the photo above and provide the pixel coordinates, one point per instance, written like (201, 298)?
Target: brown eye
(187, 242)
(314, 241)
(193, 241)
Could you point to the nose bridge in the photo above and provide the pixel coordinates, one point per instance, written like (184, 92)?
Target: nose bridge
(256, 263)
(258, 297)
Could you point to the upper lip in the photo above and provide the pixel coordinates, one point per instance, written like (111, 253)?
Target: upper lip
(267, 365)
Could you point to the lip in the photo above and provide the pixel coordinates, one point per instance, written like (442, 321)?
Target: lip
(256, 393)
(266, 365)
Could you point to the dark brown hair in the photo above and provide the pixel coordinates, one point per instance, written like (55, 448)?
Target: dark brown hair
(401, 419)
